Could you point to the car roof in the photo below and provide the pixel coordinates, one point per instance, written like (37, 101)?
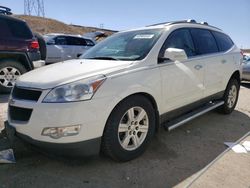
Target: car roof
(68, 35)
(9, 17)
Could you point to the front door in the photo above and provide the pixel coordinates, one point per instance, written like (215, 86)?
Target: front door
(182, 82)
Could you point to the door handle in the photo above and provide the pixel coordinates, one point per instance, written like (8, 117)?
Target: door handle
(198, 67)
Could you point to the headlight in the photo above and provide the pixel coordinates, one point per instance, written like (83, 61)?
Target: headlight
(75, 91)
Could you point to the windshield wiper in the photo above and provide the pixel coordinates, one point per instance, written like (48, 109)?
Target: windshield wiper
(104, 58)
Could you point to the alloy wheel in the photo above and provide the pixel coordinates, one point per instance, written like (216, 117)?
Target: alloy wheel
(232, 96)
(133, 128)
(8, 76)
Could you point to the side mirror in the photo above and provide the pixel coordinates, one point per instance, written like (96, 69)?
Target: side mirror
(175, 54)
(51, 42)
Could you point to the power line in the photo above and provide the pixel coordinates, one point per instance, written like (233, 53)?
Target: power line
(34, 7)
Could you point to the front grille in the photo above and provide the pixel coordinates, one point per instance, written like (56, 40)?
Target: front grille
(19, 114)
(26, 94)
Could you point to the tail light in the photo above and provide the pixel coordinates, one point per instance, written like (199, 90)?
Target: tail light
(34, 44)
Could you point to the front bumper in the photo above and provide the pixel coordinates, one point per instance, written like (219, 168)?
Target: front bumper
(79, 149)
(88, 114)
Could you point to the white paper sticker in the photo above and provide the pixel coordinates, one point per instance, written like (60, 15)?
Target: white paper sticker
(239, 149)
(144, 36)
(246, 145)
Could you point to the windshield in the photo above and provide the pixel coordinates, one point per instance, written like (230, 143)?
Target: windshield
(129, 46)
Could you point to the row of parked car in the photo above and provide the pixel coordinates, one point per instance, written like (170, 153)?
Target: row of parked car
(21, 50)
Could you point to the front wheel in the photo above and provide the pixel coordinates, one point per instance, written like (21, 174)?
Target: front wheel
(230, 97)
(129, 129)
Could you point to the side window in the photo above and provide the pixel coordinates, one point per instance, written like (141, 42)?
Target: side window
(223, 41)
(89, 42)
(19, 29)
(204, 41)
(60, 40)
(180, 39)
(82, 42)
(75, 41)
(4, 31)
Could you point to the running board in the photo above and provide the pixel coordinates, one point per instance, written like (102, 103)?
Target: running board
(191, 115)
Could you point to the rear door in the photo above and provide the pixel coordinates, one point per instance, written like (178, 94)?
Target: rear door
(182, 82)
(78, 46)
(207, 52)
(58, 49)
(228, 58)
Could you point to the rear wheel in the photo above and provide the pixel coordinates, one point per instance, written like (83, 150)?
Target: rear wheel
(129, 129)
(10, 70)
(230, 96)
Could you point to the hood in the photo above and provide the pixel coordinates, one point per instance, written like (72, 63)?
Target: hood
(65, 72)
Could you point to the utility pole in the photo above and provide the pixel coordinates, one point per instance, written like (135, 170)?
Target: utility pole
(34, 7)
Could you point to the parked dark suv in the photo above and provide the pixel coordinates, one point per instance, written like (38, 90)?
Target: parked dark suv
(19, 50)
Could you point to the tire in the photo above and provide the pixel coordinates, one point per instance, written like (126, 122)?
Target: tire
(230, 97)
(123, 145)
(10, 70)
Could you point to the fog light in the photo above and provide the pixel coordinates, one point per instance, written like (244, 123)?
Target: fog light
(58, 132)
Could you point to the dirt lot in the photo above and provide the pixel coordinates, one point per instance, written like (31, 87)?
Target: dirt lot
(170, 159)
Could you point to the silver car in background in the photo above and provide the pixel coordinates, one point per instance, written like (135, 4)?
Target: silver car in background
(61, 47)
(246, 68)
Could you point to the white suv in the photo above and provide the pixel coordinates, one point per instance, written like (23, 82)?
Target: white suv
(115, 97)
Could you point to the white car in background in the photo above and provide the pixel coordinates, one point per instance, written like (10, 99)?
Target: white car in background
(61, 47)
(246, 68)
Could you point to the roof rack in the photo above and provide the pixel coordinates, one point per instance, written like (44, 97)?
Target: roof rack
(5, 10)
(183, 21)
(174, 22)
(204, 23)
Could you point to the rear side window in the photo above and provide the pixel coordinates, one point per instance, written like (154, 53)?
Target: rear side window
(89, 42)
(224, 42)
(19, 29)
(60, 40)
(4, 31)
(75, 41)
(180, 39)
(204, 41)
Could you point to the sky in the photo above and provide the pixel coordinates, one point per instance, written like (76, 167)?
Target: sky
(232, 16)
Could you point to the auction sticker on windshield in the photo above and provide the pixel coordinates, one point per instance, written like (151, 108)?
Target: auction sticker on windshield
(145, 36)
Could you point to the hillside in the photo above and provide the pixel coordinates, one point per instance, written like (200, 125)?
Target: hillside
(246, 50)
(47, 25)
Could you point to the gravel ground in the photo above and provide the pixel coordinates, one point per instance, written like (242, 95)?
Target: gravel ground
(171, 159)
